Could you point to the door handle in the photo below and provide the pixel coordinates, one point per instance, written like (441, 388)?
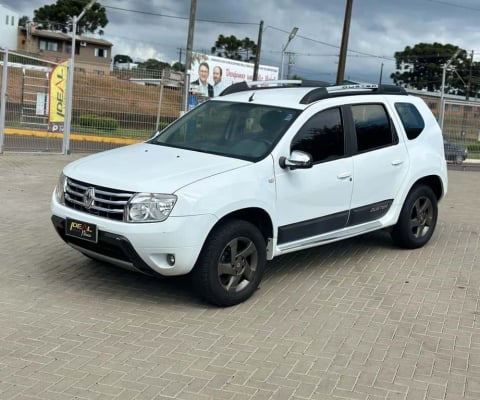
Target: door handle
(344, 175)
(397, 162)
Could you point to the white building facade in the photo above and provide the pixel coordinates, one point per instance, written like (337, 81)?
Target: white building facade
(8, 28)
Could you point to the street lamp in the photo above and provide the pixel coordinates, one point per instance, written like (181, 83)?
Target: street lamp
(290, 37)
(71, 70)
(442, 93)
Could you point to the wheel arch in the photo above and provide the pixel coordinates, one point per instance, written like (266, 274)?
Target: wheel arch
(434, 182)
(256, 216)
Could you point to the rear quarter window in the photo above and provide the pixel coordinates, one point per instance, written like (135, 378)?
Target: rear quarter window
(411, 118)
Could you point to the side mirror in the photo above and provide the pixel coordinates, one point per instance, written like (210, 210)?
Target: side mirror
(297, 159)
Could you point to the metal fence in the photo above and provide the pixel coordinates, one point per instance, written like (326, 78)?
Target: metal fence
(461, 123)
(108, 110)
(127, 106)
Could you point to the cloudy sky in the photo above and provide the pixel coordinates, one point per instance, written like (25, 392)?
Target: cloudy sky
(158, 29)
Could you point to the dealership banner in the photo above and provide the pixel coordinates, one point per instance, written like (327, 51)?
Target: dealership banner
(57, 98)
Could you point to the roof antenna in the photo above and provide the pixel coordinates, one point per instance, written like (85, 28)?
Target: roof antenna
(251, 97)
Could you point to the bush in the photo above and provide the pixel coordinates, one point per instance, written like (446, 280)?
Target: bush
(97, 122)
(474, 148)
(162, 125)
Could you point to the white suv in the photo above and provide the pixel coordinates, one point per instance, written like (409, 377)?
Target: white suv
(262, 170)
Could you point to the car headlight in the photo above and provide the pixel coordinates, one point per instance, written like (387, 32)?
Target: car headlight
(150, 207)
(60, 189)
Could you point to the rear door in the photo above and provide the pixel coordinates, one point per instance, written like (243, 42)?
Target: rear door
(380, 162)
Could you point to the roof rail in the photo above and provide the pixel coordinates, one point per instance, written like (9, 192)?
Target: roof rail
(249, 85)
(350, 90)
(322, 89)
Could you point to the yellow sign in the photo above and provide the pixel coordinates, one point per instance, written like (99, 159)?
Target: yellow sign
(58, 98)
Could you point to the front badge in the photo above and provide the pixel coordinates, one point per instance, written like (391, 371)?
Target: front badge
(88, 198)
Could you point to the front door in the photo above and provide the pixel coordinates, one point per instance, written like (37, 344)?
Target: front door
(314, 201)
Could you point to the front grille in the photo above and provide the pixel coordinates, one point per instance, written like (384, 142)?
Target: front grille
(96, 200)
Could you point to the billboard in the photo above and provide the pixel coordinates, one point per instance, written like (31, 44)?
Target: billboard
(209, 75)
(57, 98)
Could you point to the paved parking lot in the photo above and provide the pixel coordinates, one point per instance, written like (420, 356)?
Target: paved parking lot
(359, 319)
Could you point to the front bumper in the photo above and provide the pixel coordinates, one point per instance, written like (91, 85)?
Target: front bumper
(144, 247)
(110, 247)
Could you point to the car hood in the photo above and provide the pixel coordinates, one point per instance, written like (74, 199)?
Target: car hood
(149, 168)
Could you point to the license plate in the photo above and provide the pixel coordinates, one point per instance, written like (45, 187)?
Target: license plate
(81, 230)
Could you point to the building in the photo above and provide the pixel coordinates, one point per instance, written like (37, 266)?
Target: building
(8, 28)
(91, 54)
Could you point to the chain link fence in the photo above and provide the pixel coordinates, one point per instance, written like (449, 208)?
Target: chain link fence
(461, 123)
(124, 107)
(127, 106)
(24, 103)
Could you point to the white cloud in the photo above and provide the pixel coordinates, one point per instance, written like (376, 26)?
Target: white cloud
(378, 27)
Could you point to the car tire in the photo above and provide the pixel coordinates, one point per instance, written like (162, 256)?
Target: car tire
(458, 159)
(417, 219)
(231, 263)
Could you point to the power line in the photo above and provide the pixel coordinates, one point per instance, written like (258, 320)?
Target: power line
(333, 45)
(178, 17)
(247, 23)
(446, 3)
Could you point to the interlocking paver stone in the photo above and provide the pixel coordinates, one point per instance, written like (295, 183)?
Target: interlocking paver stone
(358, 319)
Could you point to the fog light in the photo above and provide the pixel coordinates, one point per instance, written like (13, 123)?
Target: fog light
(171, 259)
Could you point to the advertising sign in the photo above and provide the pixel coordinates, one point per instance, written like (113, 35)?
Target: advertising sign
(57, 98)
(41, 104)
(209, 75)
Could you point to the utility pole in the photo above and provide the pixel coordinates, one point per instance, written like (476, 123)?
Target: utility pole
(442, 92)
(469, 82)
(188, 59)
(71, 71)
(259, 48)
(291, 63)
(290, 37)
(381, 75)
(180, 52)
(344, 47)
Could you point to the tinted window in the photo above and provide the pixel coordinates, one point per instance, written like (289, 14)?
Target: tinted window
(372, 127)
(247, 131)
(322, 136)
(412, 120)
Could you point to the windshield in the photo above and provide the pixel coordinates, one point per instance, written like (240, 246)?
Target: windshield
(246, 131)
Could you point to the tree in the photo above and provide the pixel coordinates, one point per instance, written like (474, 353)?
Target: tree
(235, 49)
(296, 77)
(152, 68)
(421, 66)
(59, 16)
(23, 21)
(122, 59)
(153, 64)
(178, 66)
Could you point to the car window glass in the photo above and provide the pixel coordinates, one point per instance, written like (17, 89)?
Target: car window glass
(372, 127)
(247, 131)
(411, 118)
(322, 136)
